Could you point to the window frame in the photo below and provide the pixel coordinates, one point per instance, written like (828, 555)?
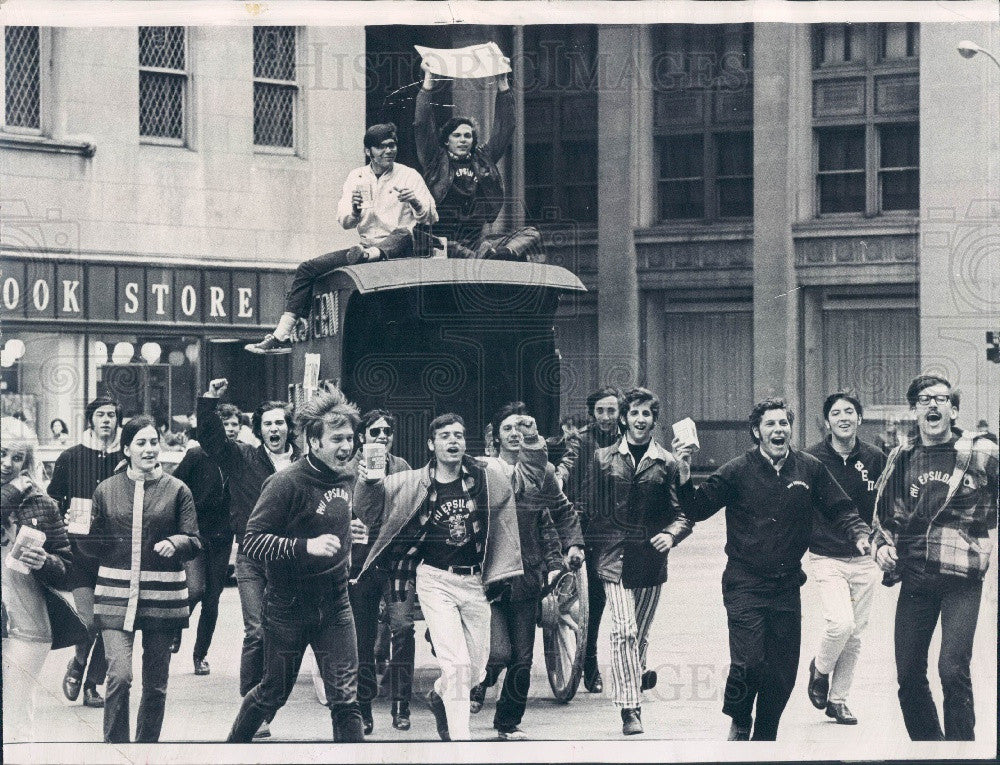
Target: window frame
(44, 128)
(557, 138)
(712, 129)
(293, 85)
(184, 75)
(871, 68)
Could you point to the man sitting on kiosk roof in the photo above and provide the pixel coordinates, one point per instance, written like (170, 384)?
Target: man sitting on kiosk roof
(383, 200)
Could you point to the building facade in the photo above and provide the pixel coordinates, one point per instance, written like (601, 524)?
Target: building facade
(756, 209)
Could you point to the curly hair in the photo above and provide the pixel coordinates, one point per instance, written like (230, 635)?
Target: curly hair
(328, 408)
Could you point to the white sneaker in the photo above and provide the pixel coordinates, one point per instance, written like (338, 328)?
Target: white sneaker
(263, 731)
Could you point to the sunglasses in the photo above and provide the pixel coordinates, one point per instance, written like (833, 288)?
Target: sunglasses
(376, 432)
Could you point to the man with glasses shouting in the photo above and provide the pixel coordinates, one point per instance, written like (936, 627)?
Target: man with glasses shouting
(935, 511)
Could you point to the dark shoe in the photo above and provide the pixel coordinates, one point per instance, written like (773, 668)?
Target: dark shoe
(631, 722)
(271, 345)
(91, 698)
(648, 680)
(819, 686)
(512, 734)
(593, 683)
(401, 715)
(476, 698)
(840, 713)
(201, 666)
(738, 732)
(176, 645)
(72, 680)
(367, 719)
(436, 704)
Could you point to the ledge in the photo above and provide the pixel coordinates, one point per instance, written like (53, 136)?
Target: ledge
(855, 226)
(48, 145)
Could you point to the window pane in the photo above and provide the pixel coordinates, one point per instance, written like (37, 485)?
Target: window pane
(900, 146)
(162, 47)
(900, 189)
(842, 193)
(735, 197)
(734, 152)
(681, 156)
(274, 53)
(22, 103)
(538, 163)
(161, 105)
(579, 161)
(842, 149)
(273, 114)
(581, 203)
(898, 41)
(682, 199)
(539, 203)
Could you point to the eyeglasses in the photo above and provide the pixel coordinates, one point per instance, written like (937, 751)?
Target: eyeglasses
(376, 432)
(940, 398)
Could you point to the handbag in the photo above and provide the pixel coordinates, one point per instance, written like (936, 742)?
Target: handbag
(67, 626)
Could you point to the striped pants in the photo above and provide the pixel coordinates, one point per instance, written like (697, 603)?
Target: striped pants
(632, 613)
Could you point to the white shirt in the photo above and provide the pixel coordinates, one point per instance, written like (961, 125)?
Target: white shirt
(386, 213)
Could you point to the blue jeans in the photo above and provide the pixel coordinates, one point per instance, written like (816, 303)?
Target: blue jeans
(251, 580)
(155, 672)
(921, 601)
(293, 620)
(403, 649)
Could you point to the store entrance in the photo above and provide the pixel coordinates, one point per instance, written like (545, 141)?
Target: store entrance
(252, 378)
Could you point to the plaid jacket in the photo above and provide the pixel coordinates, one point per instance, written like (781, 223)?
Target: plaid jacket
(948, 539)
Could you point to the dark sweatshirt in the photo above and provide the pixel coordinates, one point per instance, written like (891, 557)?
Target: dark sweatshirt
(769, 514)
(856, 473)
(303, 501)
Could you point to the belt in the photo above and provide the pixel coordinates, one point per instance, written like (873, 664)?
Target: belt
(461, 570)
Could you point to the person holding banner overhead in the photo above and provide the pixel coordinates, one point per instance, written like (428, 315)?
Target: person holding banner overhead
(461, 171)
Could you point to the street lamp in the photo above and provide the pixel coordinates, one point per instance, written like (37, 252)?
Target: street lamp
(968, 49)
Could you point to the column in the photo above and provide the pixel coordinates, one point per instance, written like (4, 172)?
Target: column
(775, 294)
(618, 296)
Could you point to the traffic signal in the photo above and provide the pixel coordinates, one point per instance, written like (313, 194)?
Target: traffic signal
(993, 347)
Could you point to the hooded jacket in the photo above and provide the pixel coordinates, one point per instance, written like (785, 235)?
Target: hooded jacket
(402, 496)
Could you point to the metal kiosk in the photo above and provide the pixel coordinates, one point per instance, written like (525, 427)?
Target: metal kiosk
(422, 336)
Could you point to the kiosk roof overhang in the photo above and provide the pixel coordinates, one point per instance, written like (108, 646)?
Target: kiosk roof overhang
(420, 272)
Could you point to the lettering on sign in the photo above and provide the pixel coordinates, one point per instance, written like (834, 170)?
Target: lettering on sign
(326, 314)
(174, 295)
(11, 293)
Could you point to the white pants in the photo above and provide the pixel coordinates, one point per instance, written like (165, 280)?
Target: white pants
(458, 617)
(22, 665)
(846, 588)
(632, 613)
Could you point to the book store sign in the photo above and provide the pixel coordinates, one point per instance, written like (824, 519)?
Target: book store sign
(99, 292)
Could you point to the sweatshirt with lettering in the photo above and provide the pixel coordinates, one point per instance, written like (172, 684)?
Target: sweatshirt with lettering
(856, 473)
(305, 500)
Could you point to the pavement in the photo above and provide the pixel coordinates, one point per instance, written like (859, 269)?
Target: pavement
(682, 717)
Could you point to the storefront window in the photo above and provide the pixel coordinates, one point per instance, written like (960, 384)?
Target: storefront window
(148, 374)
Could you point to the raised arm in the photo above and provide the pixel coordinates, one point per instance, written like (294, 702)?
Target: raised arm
(424, 127)
(502, 134)
(209, 431)
(718, 490)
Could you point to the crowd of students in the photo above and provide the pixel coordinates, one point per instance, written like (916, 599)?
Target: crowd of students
(116, 546)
